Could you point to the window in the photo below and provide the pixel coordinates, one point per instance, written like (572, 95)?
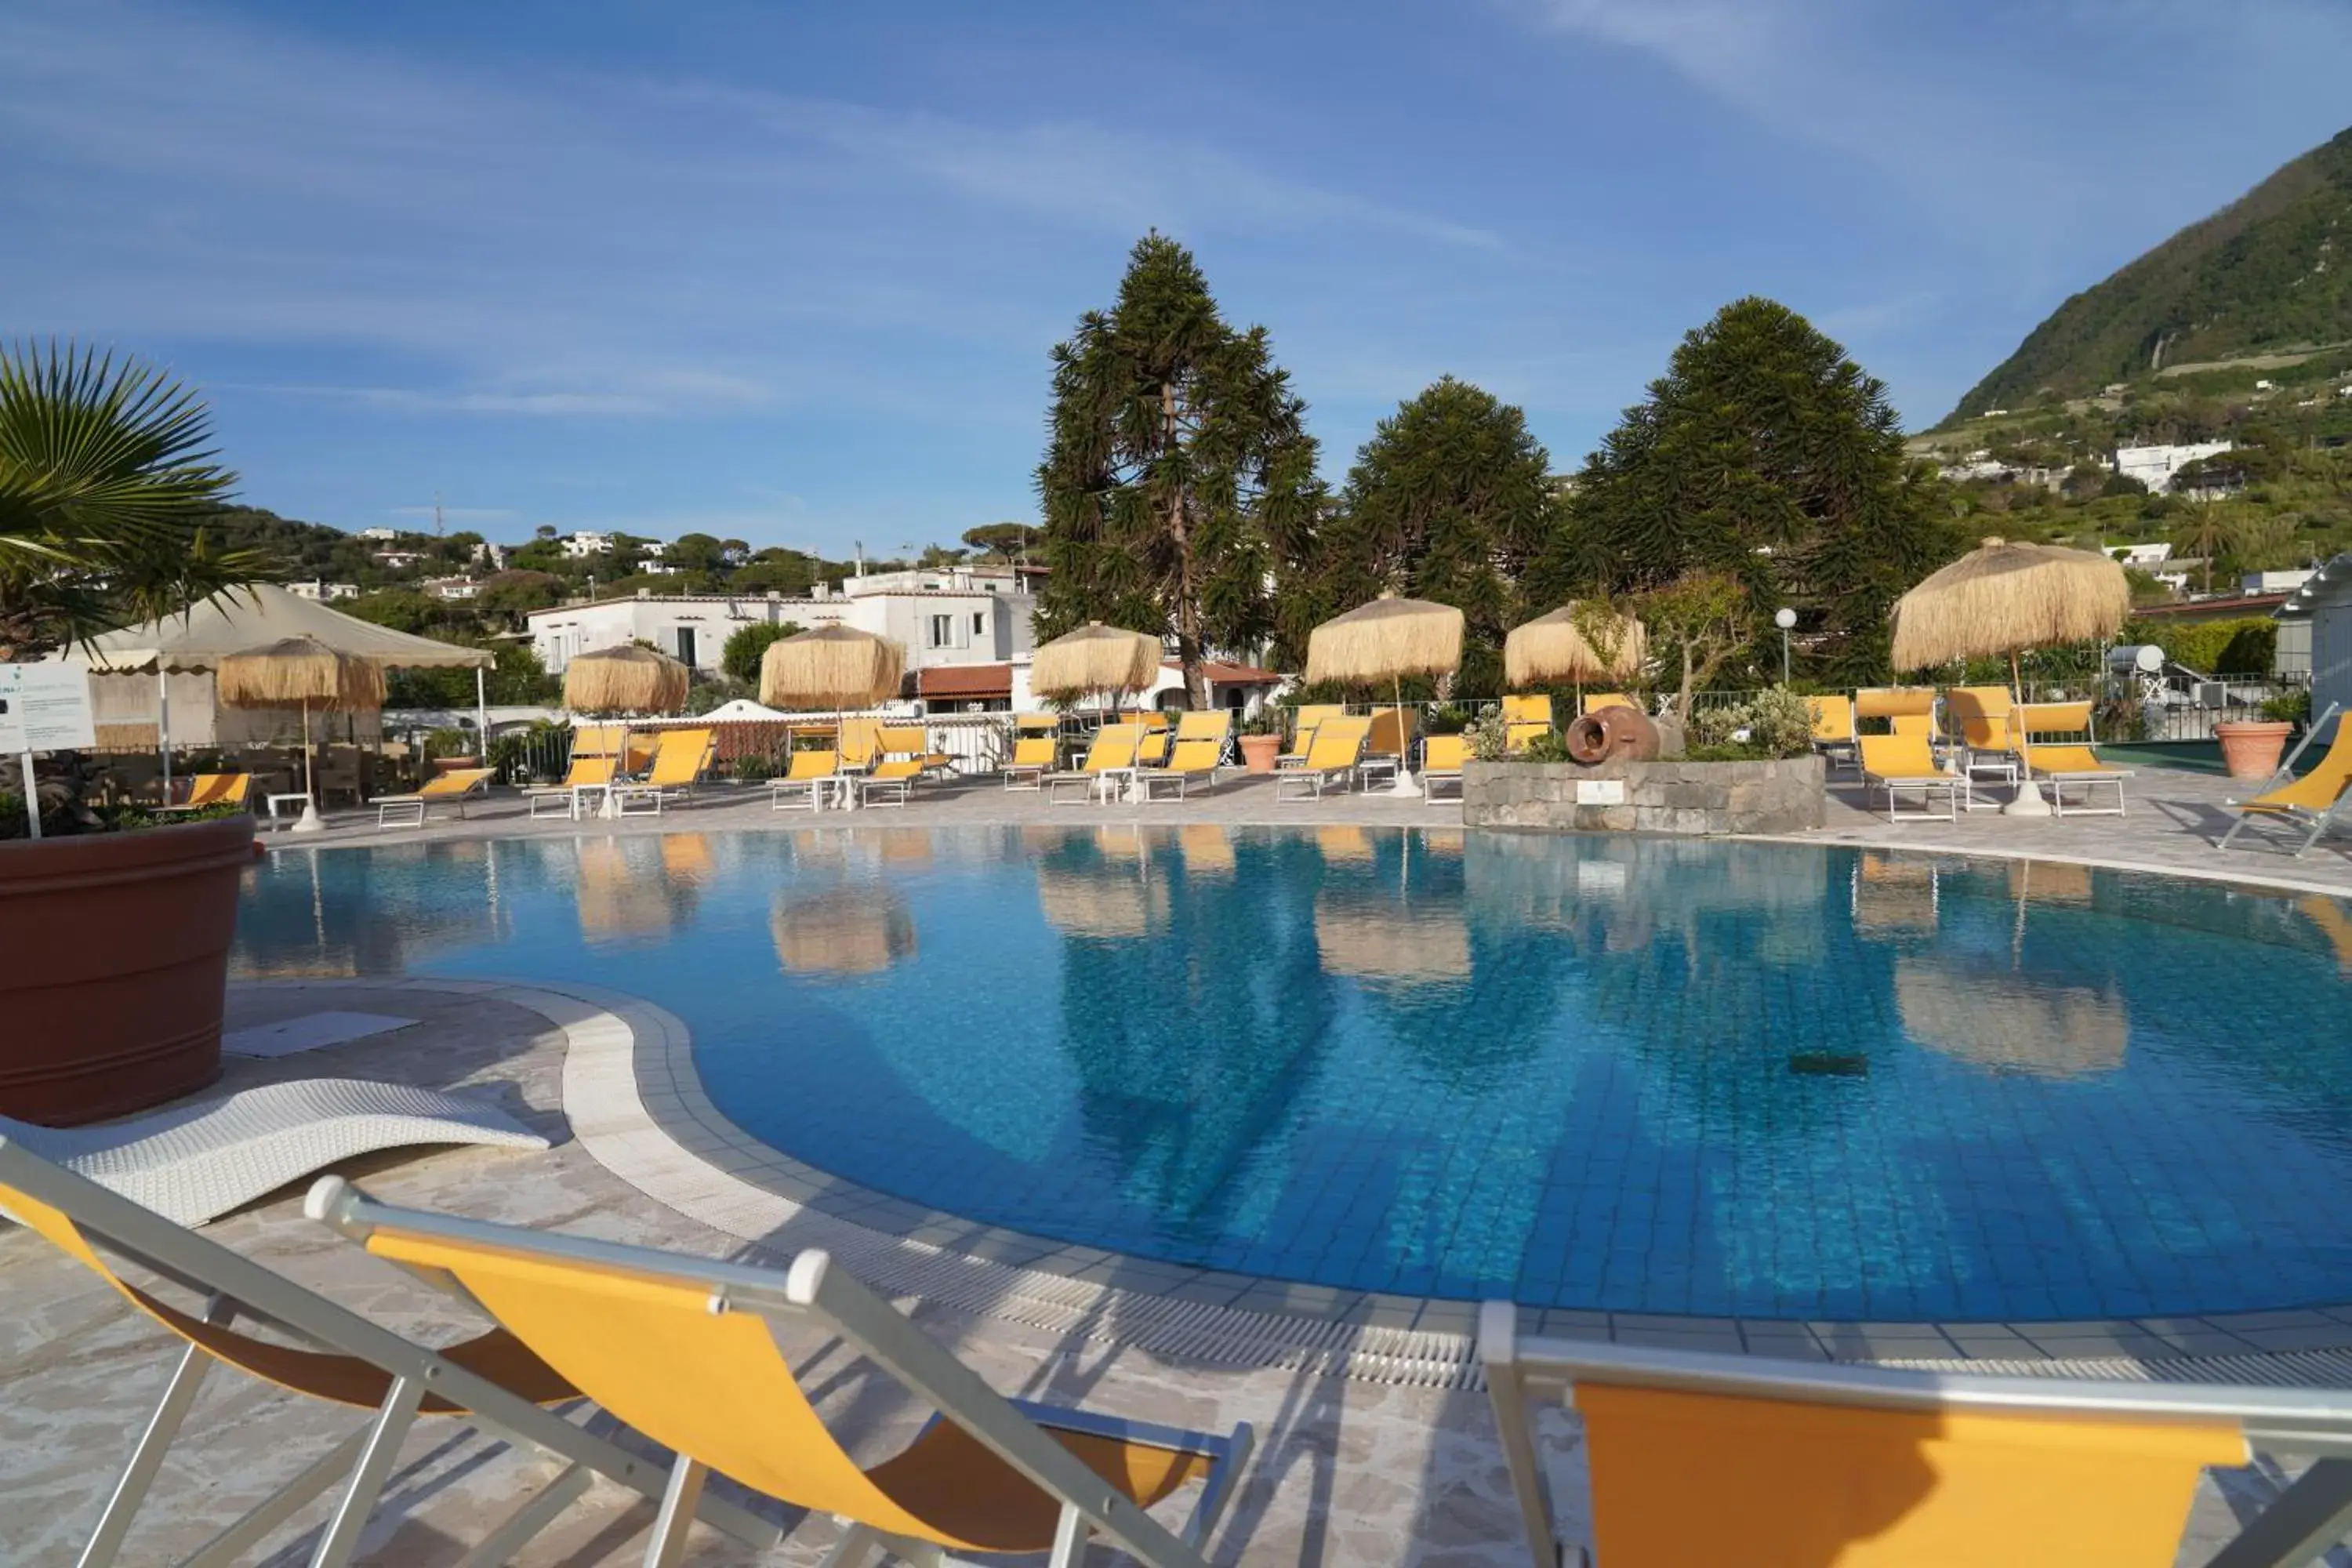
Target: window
(685, 646)
(942, 631)
(980, 623)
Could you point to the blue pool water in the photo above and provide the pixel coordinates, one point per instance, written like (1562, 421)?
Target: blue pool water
(1637, 1075)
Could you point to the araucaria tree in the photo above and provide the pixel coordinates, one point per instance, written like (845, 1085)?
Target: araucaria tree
(1178, 473)
(1449, 500)
(1765, 453)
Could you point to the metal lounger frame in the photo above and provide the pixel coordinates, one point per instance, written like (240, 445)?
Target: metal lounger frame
(1958, 795)
(2318, 822)
(234, 1287)
(2059, 782)
(2310, 1517)
(813, 1290)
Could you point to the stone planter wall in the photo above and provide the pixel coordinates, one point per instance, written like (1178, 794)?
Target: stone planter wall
(1780, 796)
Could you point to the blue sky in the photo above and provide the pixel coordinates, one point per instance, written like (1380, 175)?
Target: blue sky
(789, 273)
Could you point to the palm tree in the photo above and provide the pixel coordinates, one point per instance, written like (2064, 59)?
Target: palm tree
(107, 481)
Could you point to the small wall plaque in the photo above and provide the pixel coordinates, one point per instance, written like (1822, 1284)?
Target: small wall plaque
(1601, 791)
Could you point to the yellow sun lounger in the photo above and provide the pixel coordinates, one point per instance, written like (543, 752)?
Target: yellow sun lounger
(2316, 800)
(1834, 729)
(1594, 701)
(335, 1356)
(214, 789)
(1187, 761)
(595, 772)
(1032, 759)
(457, 784)
(1304, 722)
(1525, 718)
(687, 1351)
(1706, 1457)
(1905, 764)
(1334, 754)
(809, 775)
(1441, 763)
(1110, 755)
(678, 761)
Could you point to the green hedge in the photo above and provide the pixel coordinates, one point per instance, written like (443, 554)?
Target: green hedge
(2242, 646)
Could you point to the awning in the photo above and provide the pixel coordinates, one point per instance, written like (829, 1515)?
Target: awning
(248, 618)
(964, 682)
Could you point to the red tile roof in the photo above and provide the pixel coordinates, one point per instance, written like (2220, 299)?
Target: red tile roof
(1230, 673)
(949, 681)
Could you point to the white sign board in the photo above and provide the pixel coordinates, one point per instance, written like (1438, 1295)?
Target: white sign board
(44, 708)
(1601, 791)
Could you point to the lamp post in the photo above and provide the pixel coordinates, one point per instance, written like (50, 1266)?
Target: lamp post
(1784, 618)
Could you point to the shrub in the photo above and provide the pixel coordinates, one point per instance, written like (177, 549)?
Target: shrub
(2288, 706)
(1490, 737)
(2242, 646)
(754, 768)
(1773, 723)
(1548, 746)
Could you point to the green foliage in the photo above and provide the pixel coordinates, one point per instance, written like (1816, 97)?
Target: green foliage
(1546, 746)
(107, 484)
(2243, 647)
(1773, 723)
(754, 767)
(747, 646)
(2288, 706)
(1767, 455)
(2256, 276)
(1002, 541)
(519, 680)
(1490, 737)
(1696, 623)
(1448, 501)
(1178, 474)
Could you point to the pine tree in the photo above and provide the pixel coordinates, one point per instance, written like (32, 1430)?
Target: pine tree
(1449, 500)
(1766, 453)
(1178, 473)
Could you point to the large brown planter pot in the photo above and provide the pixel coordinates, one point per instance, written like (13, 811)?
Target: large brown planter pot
(114, 967)
(2251, 749)
(1259, 752)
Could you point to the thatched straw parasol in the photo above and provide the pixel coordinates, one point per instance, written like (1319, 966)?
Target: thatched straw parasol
(2005, 1023)
(2003, 598)
(1555, 647)
(626, 679)
(860, 929)
(1095, 658)
(1105, 904)
(305, 673)
(831, 668)
(1387, 639)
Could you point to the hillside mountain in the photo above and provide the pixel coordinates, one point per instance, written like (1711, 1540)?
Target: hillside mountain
(2269, 273)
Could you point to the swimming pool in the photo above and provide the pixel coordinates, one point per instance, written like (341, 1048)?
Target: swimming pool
(1635, 1074)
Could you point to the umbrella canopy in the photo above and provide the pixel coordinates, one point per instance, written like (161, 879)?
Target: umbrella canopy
(1107, 904)
(2003, 598)
(1095, 658)
(627, 680)
(249, 617)
(1387, 639)
(300, 672)
(1554, 648)
(831, 667)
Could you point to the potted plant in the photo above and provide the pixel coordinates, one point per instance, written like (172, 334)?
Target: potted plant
(116, 940)
(1261, 740)
(2251, 748)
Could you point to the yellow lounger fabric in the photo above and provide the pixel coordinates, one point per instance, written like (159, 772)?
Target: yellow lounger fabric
(2316, 790)
(715, 1386)
(1680, 1479)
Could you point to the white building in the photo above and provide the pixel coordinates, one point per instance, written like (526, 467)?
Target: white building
(2315, 631)
(2146, 557)
(955, 616)
(386, 535)
(582, 544)
(321, 592)
(2285, 582)
(458, 588)
(2155, 466)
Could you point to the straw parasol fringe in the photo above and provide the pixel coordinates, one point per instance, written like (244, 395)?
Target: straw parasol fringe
(1554, 648)
(2005, 597)
(629, 680)
(1095, 658)
(1375, 942)
(300, 672)
(842, 930)
(2003, 1023)
(1386, 640)
(831, 667)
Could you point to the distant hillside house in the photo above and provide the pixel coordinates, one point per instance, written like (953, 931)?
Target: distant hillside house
(2155, 466)
(2146, 557)
(383, 536)
(582, 544)
(398, 560)
(321, 592)
(452, 587)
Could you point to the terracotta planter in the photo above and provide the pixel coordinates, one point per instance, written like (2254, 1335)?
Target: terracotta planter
(116, 967)
(2251, 750)
(1258, 753)
(451, 764)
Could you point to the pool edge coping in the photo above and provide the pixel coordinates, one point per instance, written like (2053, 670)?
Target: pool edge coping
(679, 1150)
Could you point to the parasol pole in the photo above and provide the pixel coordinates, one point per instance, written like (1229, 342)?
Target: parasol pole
(164, 724)
(309, 821)
(1406, 784)
(482, 718)
(2028, 801)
